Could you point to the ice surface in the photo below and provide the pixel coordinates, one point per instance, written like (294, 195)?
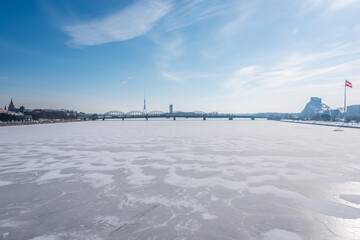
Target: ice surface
(211, 179)
(351, 198)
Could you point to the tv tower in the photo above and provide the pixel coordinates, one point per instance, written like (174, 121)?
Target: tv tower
(144, 110)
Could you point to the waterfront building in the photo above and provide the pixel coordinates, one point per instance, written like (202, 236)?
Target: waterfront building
(353, 111)
(315, 108)
(336, 114)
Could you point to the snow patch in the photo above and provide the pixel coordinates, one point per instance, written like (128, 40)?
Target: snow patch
(46, 237)
(98, 179)
(4, 183)
(5, 235)
(138, 177)
(55, 174)
(280, 234)
(11, 224)
(187, 226)
(108, 221)
(261, 178)
(208, 216)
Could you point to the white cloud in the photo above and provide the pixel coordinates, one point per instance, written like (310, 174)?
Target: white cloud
(311, 4)
(282, 75)
(330, 5)
(188, 12)
(241, 13)
(171, 77)
(198, 75)
(183, 76)
(338, 4)
(173, 48)
(122, 83)
(128, 23)
(170, 48)
(170, 51)
(297, 77)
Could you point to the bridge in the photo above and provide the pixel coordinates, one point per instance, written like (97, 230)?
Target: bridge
(173, 115)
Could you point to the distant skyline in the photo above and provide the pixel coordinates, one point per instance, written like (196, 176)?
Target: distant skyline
(210, 55)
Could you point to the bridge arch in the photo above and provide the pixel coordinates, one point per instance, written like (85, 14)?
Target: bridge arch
(156, 112)
(135, 113)
(199, 112)
(114, 113)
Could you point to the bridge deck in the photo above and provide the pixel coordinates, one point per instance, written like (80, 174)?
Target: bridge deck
(179, 116)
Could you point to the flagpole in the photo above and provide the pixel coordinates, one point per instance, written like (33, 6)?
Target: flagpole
(345, 103)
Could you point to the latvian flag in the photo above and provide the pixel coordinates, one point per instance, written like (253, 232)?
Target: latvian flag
(348, 84)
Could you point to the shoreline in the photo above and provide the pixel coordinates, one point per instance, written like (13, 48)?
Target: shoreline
(326, 124)
(36, 123)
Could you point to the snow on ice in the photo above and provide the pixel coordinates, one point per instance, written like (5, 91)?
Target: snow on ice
(184, 179)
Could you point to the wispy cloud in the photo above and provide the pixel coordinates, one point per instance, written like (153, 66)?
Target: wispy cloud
(188, 12)
(180, 77)
(298, 72)
(241, 13)
(126, 24)
(123, 82)
(328, 5)
(171, 77)
(170, 49)
(338, 4)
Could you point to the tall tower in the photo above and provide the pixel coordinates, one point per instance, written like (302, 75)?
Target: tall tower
(144, 110)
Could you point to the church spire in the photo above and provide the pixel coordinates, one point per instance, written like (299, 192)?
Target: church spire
(11, 106)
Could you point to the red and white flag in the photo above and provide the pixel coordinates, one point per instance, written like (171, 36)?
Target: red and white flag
(348, 84)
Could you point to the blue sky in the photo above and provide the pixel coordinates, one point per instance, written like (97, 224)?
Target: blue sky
(210, 55)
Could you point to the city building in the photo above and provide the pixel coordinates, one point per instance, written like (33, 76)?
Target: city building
(314, 108)
(353, 112)
(170, 108)
(12, 107)
(22, 114)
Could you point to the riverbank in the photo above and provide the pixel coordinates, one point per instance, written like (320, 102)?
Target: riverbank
(42, 122)
(328, 124)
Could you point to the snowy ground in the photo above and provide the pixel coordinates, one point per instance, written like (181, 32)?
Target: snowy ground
(179, 180)
(326, 123)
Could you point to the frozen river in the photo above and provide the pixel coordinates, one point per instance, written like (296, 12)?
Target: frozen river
(179, 180)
